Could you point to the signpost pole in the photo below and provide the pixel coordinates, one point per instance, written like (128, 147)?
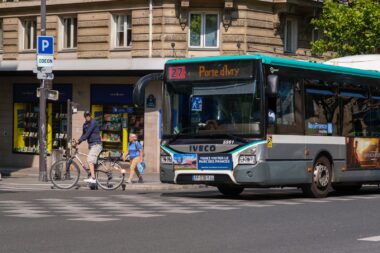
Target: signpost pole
(69, 123)
(42, 109)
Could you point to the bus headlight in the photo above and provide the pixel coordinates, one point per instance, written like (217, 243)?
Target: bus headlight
(166, 159)
(247, 159)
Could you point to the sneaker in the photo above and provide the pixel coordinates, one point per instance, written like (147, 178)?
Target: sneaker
(90, 180)
(129, 181)
(141, 180)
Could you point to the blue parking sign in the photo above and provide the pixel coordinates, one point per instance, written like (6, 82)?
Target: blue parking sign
(45, 45)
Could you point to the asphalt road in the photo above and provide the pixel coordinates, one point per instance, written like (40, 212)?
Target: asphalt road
(203, 221)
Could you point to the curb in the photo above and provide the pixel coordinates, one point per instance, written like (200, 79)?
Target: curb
(134, 187)
(30, 178)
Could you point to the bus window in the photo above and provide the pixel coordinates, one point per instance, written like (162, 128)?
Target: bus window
(321, 111)
(282, 116)
(355, 110)
(374, 120)
(285, 106)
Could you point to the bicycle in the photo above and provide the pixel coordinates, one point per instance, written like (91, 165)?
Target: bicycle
(65, 173)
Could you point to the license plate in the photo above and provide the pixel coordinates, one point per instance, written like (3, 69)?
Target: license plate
(203, 178)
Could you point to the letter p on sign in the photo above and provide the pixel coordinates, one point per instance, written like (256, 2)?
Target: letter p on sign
(45, 45)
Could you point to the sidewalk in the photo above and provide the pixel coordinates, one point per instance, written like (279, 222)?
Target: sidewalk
(28, 178)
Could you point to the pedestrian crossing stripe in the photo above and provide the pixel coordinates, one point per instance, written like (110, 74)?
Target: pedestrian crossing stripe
(117, 207)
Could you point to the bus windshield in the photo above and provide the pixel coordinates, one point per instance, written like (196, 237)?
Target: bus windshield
(229, 108)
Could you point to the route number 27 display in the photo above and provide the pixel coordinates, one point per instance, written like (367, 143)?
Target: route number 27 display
(177, 73)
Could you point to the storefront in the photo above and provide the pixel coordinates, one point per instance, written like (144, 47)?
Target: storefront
(105, 89)
(26, 115)
(112, 108)
(59, 116)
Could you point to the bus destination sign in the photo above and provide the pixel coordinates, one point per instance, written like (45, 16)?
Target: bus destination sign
(177, 73)
(210, 70)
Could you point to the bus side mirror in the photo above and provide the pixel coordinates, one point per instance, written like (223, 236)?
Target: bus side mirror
(272, 85)
(139, 88)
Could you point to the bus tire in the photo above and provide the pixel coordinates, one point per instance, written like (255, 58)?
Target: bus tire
(321, 179)
(230, 190)
(347, 188)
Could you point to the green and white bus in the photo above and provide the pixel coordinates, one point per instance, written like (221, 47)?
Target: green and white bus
(249, 121)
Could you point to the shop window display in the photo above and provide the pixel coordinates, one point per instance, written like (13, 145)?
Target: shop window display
(26, 127)
(59, 125)
(116, 122)
(26, 116)
(117, 118)
(136, 123)
(59, 116)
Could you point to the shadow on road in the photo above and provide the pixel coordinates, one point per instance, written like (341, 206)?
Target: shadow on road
(267, 194)
(3, 192)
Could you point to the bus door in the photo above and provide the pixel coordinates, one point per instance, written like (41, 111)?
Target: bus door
(285, 126)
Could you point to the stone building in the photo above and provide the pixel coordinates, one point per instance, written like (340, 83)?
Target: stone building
(102, 47)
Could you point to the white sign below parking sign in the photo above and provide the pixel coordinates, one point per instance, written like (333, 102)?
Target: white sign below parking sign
(45, 60)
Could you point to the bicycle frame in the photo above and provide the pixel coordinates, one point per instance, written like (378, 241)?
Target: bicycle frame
(77, 155)
(104, 167)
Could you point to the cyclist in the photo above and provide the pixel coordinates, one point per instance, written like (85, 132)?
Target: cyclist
(91, 133)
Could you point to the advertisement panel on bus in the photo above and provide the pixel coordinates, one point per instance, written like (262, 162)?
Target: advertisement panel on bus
(202, 162)
(363, 153)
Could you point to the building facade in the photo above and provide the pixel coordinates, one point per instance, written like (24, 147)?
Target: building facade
(102, 47)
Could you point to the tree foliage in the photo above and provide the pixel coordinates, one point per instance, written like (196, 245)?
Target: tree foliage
(348, 27)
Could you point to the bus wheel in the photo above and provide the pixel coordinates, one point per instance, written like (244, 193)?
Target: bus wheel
(321, 179)
(230, 190)
(347, 188)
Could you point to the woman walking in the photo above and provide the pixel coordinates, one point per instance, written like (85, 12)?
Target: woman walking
(135, 153)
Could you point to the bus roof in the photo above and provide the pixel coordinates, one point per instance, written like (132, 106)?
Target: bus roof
(366, 61)
(284, 62)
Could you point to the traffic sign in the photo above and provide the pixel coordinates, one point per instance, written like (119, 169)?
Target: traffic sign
(45, 76)
(43, 70)
(45, 60)
(50, 94)
(45, 45)
(44, 73)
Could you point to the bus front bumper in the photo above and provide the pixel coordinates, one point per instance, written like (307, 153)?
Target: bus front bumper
(262, 174)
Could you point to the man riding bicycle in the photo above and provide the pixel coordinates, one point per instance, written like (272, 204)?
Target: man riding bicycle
(91, 133)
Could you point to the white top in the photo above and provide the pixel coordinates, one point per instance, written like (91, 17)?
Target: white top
(365, 61)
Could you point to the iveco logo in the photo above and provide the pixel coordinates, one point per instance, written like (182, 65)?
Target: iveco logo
(202, 148)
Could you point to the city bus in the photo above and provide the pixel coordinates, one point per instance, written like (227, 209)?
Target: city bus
(255, 121)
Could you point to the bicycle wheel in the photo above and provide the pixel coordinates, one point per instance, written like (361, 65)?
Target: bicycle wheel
(64, 174)
(109, 175)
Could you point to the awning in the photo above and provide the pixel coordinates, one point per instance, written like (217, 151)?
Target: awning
(137, 64)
